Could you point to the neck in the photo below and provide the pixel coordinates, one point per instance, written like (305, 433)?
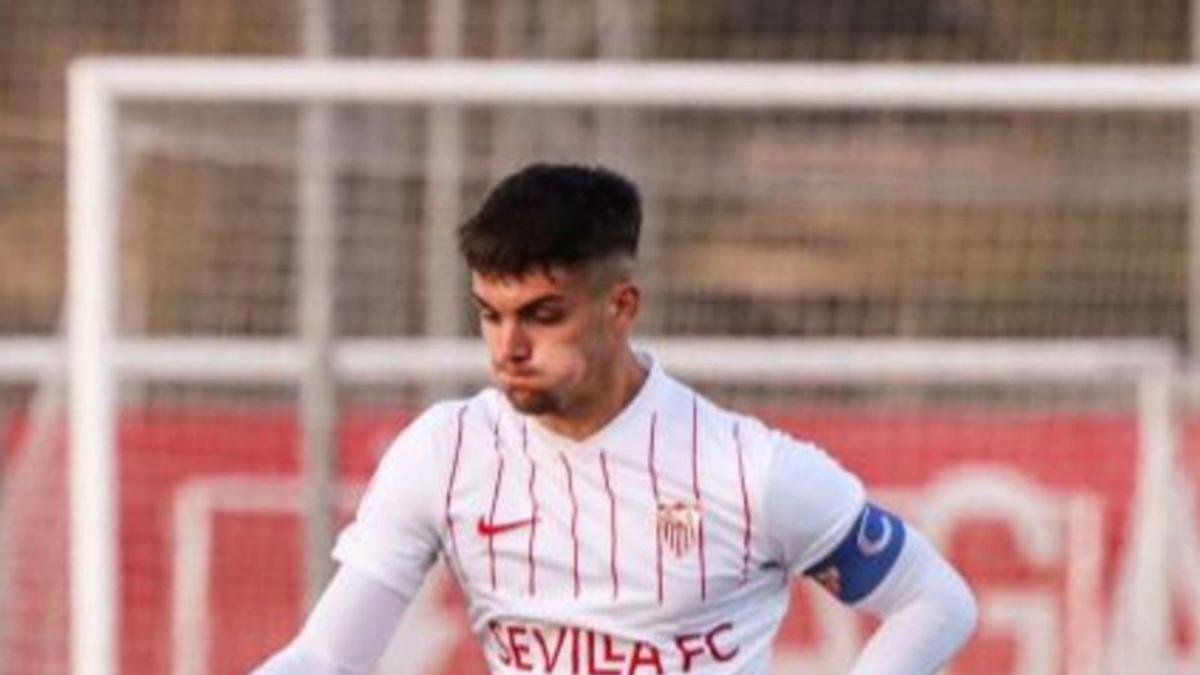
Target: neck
(619, 385)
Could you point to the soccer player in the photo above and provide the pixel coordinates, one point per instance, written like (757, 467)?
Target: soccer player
(599, 515)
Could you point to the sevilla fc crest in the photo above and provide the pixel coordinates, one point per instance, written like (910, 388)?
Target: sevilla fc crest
(678, 525)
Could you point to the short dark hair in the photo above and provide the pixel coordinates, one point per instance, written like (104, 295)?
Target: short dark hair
(549, 215)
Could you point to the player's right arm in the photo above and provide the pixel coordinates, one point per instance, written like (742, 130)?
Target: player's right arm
(384, 554)
(346, 632)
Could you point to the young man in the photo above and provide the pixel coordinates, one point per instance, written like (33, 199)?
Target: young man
(600, 516)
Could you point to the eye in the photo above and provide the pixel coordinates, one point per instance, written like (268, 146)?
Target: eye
(548, 315)
(488, 316)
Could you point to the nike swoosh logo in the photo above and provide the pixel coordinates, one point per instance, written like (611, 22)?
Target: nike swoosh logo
(487, 529)
(866, 545)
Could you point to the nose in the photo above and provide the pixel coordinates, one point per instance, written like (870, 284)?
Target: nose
(514, 345)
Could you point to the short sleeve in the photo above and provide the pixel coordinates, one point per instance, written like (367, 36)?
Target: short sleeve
(811, 502)
(395, 534)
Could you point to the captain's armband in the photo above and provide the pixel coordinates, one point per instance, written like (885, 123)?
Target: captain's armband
(861, 562)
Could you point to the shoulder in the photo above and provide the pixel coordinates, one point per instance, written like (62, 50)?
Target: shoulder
(788, 460)
(432, 437)
(811, 499)
(450, 420)
(816, 475)
(775, 461)
(436, 425)
(761, 443)
(680, 401)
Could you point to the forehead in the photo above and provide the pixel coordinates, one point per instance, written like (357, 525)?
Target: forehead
(515, 290)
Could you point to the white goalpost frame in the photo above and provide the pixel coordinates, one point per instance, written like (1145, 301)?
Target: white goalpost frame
(98, 358)
(194, 505)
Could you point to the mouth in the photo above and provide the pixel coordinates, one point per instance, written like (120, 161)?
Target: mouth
(515, 380)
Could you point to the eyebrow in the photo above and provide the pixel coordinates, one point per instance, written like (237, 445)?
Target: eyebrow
(530, 306)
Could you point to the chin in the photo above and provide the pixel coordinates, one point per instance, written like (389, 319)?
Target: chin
(531, 402)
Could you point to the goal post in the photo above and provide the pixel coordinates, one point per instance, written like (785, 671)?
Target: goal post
(737, 85)
(100, 358)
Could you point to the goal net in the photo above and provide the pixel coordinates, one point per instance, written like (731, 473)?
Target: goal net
(901, 264)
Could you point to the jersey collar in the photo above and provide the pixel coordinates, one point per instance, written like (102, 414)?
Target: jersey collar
(628, 425)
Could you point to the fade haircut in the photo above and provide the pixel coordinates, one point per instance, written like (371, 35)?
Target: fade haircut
(552, 215)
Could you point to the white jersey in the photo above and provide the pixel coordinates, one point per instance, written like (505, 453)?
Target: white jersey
(663, 543)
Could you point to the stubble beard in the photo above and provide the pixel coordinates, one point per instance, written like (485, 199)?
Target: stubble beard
(532, 401)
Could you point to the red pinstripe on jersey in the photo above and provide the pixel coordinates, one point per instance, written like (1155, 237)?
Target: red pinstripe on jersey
(737, 439)
(658, 559)
(612, 525)
(574, 523)
(450, 494)
(532, 500)
(495, 501)
(696, 493)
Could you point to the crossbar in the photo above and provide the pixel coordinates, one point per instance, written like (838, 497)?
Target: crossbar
(689, 85)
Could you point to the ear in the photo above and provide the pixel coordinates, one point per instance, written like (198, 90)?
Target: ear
(624, 302)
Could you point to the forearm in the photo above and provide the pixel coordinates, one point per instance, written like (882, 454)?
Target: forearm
(346, 632)
(928, 614)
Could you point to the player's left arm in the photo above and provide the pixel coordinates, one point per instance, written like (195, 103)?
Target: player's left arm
(887, 568)
(821, 525)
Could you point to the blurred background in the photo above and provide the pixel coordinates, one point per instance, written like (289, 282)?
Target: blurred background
(770, 223)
